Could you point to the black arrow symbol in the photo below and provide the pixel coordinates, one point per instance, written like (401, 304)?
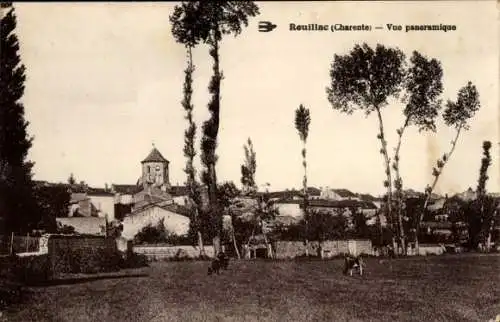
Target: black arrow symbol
(266, 26)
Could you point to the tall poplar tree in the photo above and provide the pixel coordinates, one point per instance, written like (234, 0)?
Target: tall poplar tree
(248, 169)
(302, 121)
(183, 19)
(218, 19)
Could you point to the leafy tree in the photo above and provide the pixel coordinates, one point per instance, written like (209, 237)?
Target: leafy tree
(248, 169)
(227, 199)
(472, 214)
(266, 212)
(365, 79)
(121, 210)
(359, 222)
(324, 226)
(53, 201)
(243, 230)
(152, 234)
(423, 88)
(483, 171)
(294, 231)
(490, 218)
(457, 115)
(18, 205)
(228, 192)
(71, 179)
(114, 229)
(486, 205)
(183, 20)
(302, 122)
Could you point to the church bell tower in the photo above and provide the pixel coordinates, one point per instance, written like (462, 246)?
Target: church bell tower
(155, 170)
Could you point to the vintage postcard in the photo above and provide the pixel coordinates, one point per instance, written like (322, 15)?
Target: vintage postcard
(250, 161)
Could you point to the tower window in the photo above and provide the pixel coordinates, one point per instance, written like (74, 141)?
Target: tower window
(157, 168)
(149, 169)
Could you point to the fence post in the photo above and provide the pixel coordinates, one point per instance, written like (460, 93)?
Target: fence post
(11, 243)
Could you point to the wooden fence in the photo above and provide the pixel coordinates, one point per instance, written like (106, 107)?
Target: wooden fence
(18, 244)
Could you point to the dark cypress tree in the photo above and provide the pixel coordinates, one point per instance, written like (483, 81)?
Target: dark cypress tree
(18, 206)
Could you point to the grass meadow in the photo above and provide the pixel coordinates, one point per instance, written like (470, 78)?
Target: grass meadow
(437, 288)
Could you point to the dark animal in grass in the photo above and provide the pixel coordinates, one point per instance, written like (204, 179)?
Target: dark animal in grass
(353, 263)
(214, 267)
(224, 260)
(220, 262)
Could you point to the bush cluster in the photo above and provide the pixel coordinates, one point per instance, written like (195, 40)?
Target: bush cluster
(87, 260)
(133, 260)
(26, 270)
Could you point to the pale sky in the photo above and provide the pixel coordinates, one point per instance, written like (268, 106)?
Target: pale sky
(104, 81)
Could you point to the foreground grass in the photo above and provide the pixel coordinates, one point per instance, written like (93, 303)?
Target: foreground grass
(447, 288)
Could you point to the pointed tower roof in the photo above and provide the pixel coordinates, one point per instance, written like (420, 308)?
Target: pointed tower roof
(155, 156)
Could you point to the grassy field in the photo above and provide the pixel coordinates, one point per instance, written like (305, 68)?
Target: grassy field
(445, 288)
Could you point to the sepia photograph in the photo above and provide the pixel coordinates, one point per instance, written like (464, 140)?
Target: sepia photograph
(250, 161)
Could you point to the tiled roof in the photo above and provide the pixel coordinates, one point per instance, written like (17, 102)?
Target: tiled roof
(177, 209)
(287, 194)
(333, 203)
(344, 193)
(312, 191)
(77, 197)
(126, 188)
(99, 192)
(366, 197)
(341, 204)
(154, 156)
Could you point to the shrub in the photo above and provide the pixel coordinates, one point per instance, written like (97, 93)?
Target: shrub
(10, 293)
(134, 260)
(87, 260)
(203, 258)
(25, 270)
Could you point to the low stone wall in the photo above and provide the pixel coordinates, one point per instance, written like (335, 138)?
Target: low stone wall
(424, 250)
(171, 252)
(329, 248)
(289, 249)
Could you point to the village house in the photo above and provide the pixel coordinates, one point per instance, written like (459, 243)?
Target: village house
(103, 201)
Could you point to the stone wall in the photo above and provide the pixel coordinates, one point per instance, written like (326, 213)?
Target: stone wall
(429, 249)
(330, 248)
(172, 252)
(289, 249)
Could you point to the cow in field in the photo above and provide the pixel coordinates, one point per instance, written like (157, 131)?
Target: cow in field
(353, 263)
